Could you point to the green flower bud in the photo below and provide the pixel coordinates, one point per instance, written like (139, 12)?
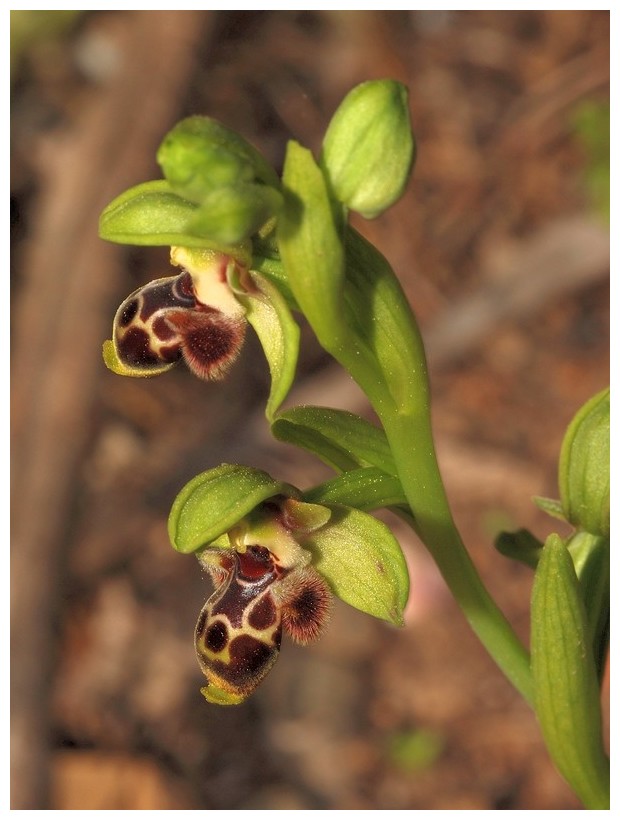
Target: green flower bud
(368, 148)
(200, 154)
(566, 694)
(584, 467)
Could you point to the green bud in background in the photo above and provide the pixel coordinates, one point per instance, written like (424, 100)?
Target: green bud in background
(565, 681)
(584, 467)
(200, 154)
(368, 148)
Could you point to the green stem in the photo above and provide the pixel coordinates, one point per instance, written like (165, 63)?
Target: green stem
(406, 418)
(404, 410)
(411, 441)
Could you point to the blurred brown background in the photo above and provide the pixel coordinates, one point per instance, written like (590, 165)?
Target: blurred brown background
(502, 245)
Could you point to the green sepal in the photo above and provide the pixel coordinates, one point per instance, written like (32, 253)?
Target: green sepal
(366, 488)
(213, 502)
(269, 315)
(368, 149)
(152, 214)
(200, 154)
(362, 562)
(566, 695)
(231, 215)
(521, 546)
(584, 467)
(341, 439)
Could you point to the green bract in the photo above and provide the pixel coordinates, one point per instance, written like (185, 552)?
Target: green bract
(341, 439)
(356, 554)
(366, 488)
(311, 246)
(590, 554)
(584, 467)
(368, 148)
(565, 680)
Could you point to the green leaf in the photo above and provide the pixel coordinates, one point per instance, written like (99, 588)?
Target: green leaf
(566, 692)
(584, 467)
(268, 313)
(152, 214)
(366, 488)
(368, 148)
(521, 546)
(363, 563)
(214, 501)
(341, 439)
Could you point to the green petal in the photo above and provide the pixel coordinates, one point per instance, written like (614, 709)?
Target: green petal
(363, 563)
(214, 501)
(269, 315)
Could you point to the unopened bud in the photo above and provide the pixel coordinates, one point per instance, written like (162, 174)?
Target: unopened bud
(584, 467)
(200, 154)
(368, 147)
